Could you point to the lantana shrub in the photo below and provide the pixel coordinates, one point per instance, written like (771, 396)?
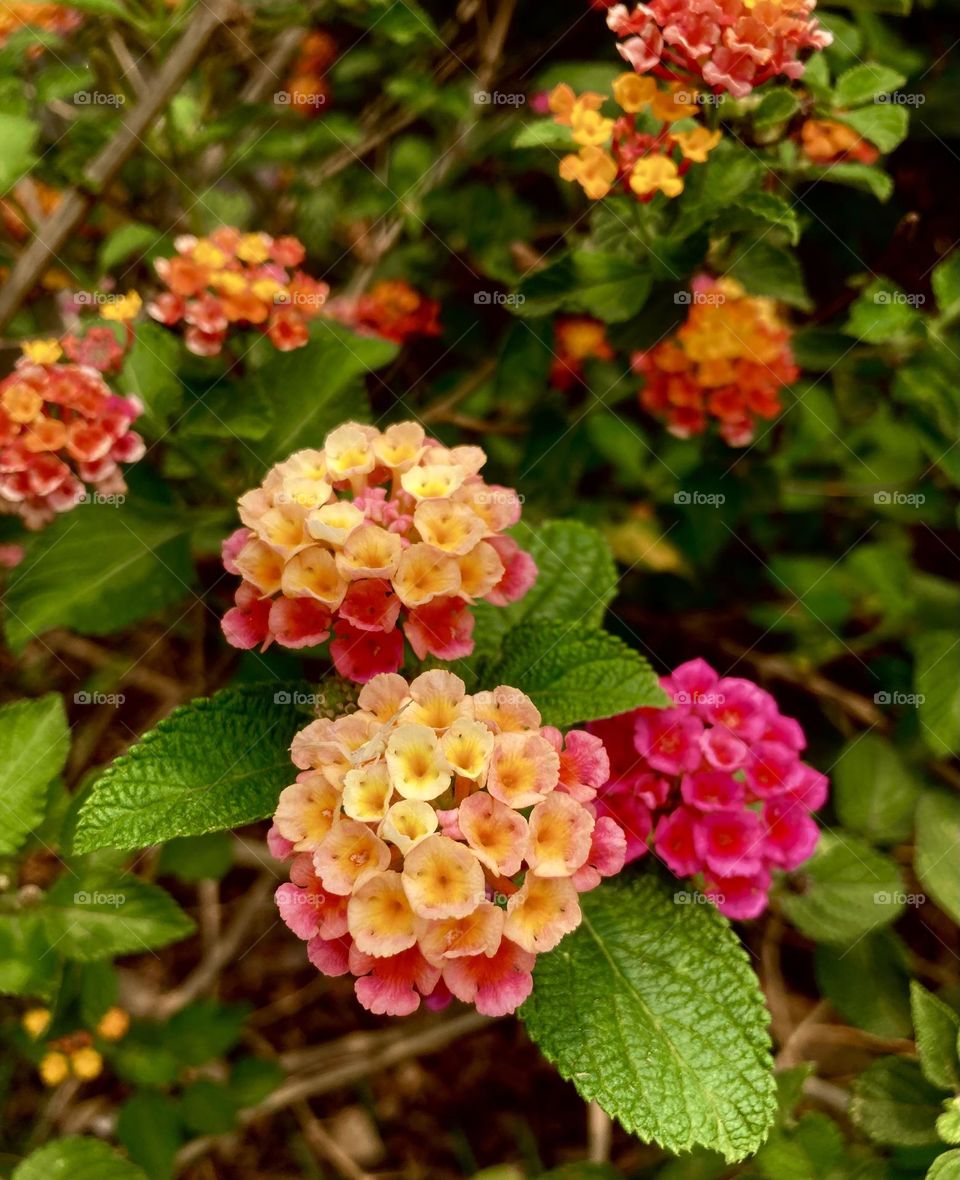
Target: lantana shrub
(440, 841)
(379, 535)
(715, 785)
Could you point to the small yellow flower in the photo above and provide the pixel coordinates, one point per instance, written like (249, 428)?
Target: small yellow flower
(379, 916)
(418, 769)
(593, 169)
(36, 1021)
(253, 248)
(123, 309)
(205, 253)
(442, 879)
(54, 1069)
(86, 1064)
(670, 105)
(633, 93)
(590, 128)
(41, 352)
(562, 99)
(653, 173)
(228, 282)
(696, 145)
(113, 1024)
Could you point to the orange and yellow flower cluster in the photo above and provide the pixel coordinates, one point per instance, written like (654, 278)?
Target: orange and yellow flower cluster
(827, 141)
(307, 87)
(643, 156)
(378, 535)
(76, 1054)
(241, 280)
(391, 309)
(440, 842)
(728, 361)
(50, 18)
(61, 427)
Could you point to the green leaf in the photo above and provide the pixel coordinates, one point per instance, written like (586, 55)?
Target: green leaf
(937, 1026)
(883, 124)
(544, 133)
(315, 388)
(847, 888)
(27, 968)
(893, 1104)
(203, 1031)
(607, 286)
(945, 1167)
(762, 206)
(945, 280)
(98, 569)
(218, 762)
(935, 849)
(149, 1127)
(882, 314)
(776, 107)
(17, 138)
(864, 177)
(34, 740)
(197, 858)
(883, 1008)
(730, 172)
(938, 690)
(864, 83)
(150, 371)
(75, 1158)
(651, 1009)
(574, 674)
(99, 917)
(133, 238)
(808, 1151)
(766, 269)
(577, 576)
(874, 793)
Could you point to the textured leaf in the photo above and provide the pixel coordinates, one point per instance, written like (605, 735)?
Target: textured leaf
(150, 371)
(938, 689)
(894, 1104)
(767, 269)
(577, 576)
(573, 674)
(74, 1158)
(945, 1167)
(936, 849)
(215, 763)
(936, 1026)
(808, 1151)
(97, 569)
(884, 124)
(34, 740)
(873, 790)
(859, 176)
(847, 888)
(651, 1009)
(98, 917)
(315, 388)
(865, 82)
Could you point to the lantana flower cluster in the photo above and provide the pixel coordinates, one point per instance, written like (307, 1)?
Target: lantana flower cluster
(731, 45)
(728, 361)
(307, 89)
(51, 18)
(61, 428)
(377, 536)
(577, 338)
(240, 280)
(440, 842)
(717, 781)
(644, 155)
(828, 141)
(391, 309)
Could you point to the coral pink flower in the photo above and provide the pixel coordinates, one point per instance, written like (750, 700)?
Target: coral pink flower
(415, 866)
(726, 808)
(390, 534)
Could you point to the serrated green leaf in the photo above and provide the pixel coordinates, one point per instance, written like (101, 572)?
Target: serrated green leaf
(882, 314)
(99, 568)
(75, 1158)
(622, 1010)
(936, 1026)
(215, 763)
(34, 740)
(767, 269)
(576, 578)
(808, 1151)
(575, 674)
(776, 107)
(865, 82)
(945, 1167)
(883, 124)
(846, 889)
(98, 917)
(935, 849)
(895, 1105)
(938, 690)
(315, 388)
(948, 1123)
(874, 792)
(883, 1008)
(945, 281)
(865, 177)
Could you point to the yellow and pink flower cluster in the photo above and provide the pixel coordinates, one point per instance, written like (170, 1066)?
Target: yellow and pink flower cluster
(440, 842)
(377, 535)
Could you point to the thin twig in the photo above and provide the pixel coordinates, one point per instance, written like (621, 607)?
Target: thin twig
(324, 1145)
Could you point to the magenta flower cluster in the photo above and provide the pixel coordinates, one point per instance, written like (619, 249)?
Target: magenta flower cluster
(715, 784)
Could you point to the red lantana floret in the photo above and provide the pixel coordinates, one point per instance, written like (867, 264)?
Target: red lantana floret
(730, 45)
(379, 535)
(728, 362)
(439, 842)
(715, 784)
(62, 431)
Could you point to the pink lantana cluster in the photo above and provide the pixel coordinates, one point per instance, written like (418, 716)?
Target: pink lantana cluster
(440, 842)
(718, 782)
(379, 535)
(731, 45)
